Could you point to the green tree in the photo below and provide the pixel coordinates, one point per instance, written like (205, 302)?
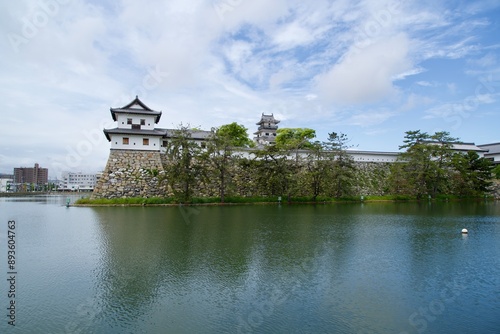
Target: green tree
(472, 173)
(236, 134)
(182, 171)
(442, 144)
(427, 160)
(275, 173)
(294, 139)
(496, 172)
(318, 168)
(342, 163)
(219, 153)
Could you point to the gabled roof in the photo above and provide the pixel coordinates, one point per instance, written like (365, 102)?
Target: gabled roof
(137, 103)
(136, 107)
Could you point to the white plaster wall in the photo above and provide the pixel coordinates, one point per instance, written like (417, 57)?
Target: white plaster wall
(136, 119)
(135, 143)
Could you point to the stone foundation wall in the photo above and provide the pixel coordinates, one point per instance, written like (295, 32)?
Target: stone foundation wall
(495, 189)
(130, 173)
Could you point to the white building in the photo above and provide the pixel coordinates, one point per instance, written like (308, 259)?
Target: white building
(77, 181)
(6, 185)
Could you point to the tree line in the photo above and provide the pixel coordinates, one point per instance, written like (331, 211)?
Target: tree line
(297, 165)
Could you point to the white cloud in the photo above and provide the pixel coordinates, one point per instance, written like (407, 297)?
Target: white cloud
(425, 83)
(367, 76)
(213, 62)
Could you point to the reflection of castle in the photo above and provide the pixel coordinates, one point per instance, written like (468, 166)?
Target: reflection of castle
(266, 133)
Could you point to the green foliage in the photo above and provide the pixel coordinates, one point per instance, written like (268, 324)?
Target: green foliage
(496, 172)
(430, 167)
(472, 174)
(182, 173)
(294, 138)
(234, 134)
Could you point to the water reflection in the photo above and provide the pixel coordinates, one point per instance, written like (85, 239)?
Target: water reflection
(342, 268)
(369, 268)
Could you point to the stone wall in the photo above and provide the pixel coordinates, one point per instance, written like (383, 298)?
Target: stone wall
(495, 189)
(372, 178)
(130, 173)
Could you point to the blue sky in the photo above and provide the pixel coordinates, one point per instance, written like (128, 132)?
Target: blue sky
(369, 69)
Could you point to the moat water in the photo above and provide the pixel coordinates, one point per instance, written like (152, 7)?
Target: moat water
(343, 268)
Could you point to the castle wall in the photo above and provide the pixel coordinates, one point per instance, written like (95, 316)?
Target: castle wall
(131, 173)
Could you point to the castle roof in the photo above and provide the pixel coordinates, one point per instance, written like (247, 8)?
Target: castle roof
(157, 132)
(140, 132)
(136, 107)
(267, 119)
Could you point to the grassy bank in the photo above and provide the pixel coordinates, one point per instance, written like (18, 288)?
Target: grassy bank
(152, 201)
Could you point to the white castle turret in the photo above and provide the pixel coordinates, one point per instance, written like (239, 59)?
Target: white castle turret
(266, 133)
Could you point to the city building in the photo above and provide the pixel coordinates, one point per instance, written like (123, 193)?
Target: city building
(6, 184)
(78, 181)
(31, 175)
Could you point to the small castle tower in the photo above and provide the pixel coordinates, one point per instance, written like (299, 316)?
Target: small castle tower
(134, 165)
(266, 133)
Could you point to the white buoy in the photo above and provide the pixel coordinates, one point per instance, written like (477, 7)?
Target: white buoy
(464, 231)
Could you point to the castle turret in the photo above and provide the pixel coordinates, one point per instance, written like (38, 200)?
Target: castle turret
(134, 167)
(136, 128)
(266, 133)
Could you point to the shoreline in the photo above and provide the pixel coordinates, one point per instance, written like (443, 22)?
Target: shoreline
(478, 199)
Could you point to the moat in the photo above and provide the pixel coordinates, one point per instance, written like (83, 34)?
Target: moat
(335, 268)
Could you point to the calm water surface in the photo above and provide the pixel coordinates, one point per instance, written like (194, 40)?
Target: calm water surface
(344, 268)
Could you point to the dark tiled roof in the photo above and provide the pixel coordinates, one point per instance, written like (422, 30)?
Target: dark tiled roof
(165, 133)
(195, 134)
(138, 132)
(267, 118)
(130, 109)
(139, 102)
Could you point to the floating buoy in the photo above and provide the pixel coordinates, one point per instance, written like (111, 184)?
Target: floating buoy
(464, 231)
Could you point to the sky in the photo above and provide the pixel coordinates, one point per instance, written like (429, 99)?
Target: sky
(370, 69)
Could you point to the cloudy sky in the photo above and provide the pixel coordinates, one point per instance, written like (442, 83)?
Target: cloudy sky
(369, 69)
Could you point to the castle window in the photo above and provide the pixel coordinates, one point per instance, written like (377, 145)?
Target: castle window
(145, 141)
(143, 122)
(129, 120)
(125, 141)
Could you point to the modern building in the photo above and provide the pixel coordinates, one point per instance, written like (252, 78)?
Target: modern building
(6, 184)
(79, 181)
(31, 175)
(266, 132)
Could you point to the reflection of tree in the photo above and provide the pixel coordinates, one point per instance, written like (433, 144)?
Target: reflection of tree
(216, 263)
